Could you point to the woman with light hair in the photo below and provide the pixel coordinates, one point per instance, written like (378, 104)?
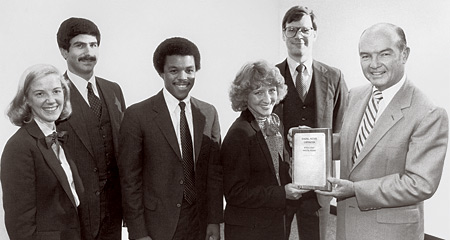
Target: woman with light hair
(255, 163)
(40, 183)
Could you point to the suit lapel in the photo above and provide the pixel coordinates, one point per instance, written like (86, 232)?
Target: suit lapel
(113, 104)
(320, 78)
(262, 142)
(199, 124)
(164, 122)
(50, 158)
(77, 120)
(390, 116)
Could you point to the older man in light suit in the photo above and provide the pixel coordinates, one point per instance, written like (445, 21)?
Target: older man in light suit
(392, 146)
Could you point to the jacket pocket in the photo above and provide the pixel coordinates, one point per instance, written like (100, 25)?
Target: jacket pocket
(398, 215)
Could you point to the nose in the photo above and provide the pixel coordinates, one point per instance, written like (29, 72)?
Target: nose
(374, 62)
(182, 75)
(266, 97)
(50, 99)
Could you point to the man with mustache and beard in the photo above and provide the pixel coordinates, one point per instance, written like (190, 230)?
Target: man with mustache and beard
(317, 96)
(93, 130)
(170, 171)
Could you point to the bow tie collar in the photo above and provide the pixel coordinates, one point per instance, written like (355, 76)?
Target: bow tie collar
(56, 138)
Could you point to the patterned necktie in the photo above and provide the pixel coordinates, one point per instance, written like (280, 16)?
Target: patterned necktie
(368, 121)
(188, 158)
(300, 83)
(94, 101)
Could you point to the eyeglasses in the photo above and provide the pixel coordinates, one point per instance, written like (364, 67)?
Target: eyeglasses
(291, 32)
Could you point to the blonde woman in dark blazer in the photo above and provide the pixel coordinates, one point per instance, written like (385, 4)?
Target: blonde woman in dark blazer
(40, 183)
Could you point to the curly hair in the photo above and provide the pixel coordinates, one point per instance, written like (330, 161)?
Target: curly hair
(252, 76)
(175, 46)
(19, 112)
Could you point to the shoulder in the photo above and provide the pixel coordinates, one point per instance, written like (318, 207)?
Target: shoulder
(203, 106)
(18, 142)
(326, 68)
(107, 83)
(240, 130)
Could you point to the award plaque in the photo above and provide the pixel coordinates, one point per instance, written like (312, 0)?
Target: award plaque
(312, 158)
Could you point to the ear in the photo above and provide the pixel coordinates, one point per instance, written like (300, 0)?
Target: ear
(64, 52)
(405, 55)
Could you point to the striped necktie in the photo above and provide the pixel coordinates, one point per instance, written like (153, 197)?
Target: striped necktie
(368, 121)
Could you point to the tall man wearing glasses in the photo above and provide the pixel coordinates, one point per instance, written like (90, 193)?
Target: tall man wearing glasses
(316, 98)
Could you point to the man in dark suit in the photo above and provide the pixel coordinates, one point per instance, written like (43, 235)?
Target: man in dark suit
(93, 129)
(169, 164)
(317, 95)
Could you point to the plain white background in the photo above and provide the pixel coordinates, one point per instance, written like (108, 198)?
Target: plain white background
(228, 34)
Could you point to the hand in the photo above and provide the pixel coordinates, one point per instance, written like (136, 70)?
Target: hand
(289, 136)
(213, 232)
(342, 188)
(293, 191)
(144, 238)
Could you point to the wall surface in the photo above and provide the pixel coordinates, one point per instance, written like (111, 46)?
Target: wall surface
(228, 34)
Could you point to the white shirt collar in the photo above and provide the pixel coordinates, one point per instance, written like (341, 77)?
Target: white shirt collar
(81, 83)
(294, 64)
(46, 130)
(172, 102)
(388, 94)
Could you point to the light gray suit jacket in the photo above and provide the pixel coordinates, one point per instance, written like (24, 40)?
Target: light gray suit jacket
(399, 166)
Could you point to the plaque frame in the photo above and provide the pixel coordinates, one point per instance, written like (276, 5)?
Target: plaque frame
(310, 144)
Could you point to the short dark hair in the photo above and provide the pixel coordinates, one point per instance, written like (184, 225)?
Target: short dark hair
(73, 27)
(296, 13)
(19, 112)
(175, 46)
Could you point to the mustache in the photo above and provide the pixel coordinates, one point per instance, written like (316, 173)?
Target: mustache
(87, 58)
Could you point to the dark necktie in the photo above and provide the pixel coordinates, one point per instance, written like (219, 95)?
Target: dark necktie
(54, 140)
(367, 122)
(188, 158)
(94, 101)
(300, 83)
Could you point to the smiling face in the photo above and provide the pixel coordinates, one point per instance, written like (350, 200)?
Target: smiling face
(382, 62)
(46, 98)
(300, 47)
(262, 100)
(82, 55)
(179, 75)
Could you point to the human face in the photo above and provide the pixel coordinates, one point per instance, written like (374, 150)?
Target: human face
(262, 100)
(300, 47)
(382, 62)
(46, 98)
(82, 55)
(179, 75)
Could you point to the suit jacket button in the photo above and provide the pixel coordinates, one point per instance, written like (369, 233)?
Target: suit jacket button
(95, 169)
(181, 182)
(178, 204)
(97, 193)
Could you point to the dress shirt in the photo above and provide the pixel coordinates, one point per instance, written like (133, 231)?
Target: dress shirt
(307, 72)
(81, 84)
(175, 110)
(388, 95)
(62, 157)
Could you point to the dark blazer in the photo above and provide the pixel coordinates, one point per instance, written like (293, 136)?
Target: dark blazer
(255, 200)
(151, 170)
(37, 198)
(398, 168)
(80, 149)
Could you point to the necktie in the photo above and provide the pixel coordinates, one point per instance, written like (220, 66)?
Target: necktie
(54, 140)
(188, 158)
(94, 101)
(368, 121)
(300, 83)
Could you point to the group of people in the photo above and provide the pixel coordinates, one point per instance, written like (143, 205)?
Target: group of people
(82, 164)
